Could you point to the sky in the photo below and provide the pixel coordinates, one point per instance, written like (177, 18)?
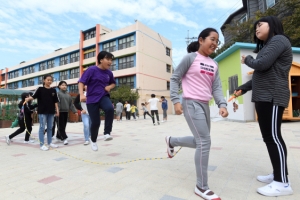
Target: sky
(33, 28)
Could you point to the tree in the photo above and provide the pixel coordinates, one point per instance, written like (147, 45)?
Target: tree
(124, 93)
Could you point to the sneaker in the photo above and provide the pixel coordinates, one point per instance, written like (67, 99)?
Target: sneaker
(53, 145)
(275, 189)
(107, 137)
(29, 141)
(205, 194)
(94, 146)
(7, 140)
(86, 142)
(170, 150)
(66, 142)
(266, 179)
(44, 148)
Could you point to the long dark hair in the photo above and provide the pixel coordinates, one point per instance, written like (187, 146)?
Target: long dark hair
(275, 28)
(46, 76)
(23, 96)
(194, 46)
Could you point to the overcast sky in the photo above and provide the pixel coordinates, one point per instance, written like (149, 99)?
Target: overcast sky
(32, 28)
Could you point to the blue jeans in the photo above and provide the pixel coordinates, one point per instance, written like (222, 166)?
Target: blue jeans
(94, 111)
(43, 119)
(86, 126)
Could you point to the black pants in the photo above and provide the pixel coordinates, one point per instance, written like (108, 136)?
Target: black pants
(28, 121)
(128, 115)
(53, 127)
(156, 113)
(269, 119)
(146, 113)
(133, 115)
(62, 123)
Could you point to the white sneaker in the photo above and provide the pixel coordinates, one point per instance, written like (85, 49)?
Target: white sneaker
(275, 189)
(94, 146)
(29, 141)
(86, 142)
(44, 148)
(7, 140)
(53, 145)
(266, 179)
(66, 142)
(107, 137)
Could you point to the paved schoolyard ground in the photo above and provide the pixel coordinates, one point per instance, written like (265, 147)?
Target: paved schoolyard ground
(134, 165)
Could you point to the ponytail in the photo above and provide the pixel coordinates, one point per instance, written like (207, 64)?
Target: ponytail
(193, 47)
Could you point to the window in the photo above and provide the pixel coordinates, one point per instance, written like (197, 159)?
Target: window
(74, 88)
(50, 64)
(128, 80)
(74, 57)
(126, 62)
(15, 85)
(243, 19)
(16, 74)
(31, 82)
(63, 75)
(24, 71)
(42, 66)
(126, 42)
(232, 83)
(168, 51)
(10, 86)
(31, 69)
(168, 85)
(2, 77)
(13, 74)
(271, 3)
(63, 60)
(74, 73)
(89, 53)
(113, 66)
(24, 83)
(41, 78)
(168, 68)
(109, 46)
(89, 34)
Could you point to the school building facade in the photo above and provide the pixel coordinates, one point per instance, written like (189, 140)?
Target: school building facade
(143, 61)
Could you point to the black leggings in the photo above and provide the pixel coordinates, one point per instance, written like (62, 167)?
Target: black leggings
(156, 113)
(23, 128)
(269, 119)
(147, 113)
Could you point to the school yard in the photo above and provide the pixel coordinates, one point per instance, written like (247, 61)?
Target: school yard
(134, 165)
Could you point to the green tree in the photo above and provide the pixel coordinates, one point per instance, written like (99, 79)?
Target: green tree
(124, 93)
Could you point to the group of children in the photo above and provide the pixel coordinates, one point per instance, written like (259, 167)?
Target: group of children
(199, 84)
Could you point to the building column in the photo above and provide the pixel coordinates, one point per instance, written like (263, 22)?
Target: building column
(97, 41)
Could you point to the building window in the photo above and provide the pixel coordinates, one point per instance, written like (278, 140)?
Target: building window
(126, 42)
(24, 83)
(12, 75)
(42, 66)
(168, 85)
(243, 19)
(15, 85)
(128, 80)
(31, 69)
(168, 51)
(16, 74)
(74, 57)
(41, 78)
(63, 60)
(89, 34)
(113, 66)
(232, 83)
(271, 3)
(109, 46)
(126, 62)
(74, 73)
(31, 82)
(74, 88)
(168, 68)
(24, 71)
(89, 53)
(10, 86)
(2, 77)
(50, 64)
(63, 75)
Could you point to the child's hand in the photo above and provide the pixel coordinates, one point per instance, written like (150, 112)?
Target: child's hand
(243, 59)
(83, 112)
(223, 112)
(107, 88)
(57, 114)
(82, 98)
(178, 109)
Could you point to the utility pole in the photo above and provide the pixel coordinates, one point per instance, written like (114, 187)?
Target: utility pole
(189, 39)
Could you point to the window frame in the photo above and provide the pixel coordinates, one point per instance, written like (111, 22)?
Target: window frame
(127, 64)
(74, 73)
(63, 60)
(168, 51)
(122, 81)
(232, 83)
(126, 42)
(63, 75)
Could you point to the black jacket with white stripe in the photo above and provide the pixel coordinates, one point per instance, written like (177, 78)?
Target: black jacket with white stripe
(271, 72)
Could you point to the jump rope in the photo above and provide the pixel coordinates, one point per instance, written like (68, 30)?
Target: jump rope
(93, 162)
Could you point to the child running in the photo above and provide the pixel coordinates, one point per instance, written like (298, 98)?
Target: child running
(47, 104)
(86, 120)
(200, 82)
(145, 110)
(271, 95)
(99, 81)
(153, 108)
(65, 104)
(119, 109)
(133, 111)
(25, 114)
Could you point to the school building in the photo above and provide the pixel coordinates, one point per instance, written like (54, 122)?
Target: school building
(143, 61)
